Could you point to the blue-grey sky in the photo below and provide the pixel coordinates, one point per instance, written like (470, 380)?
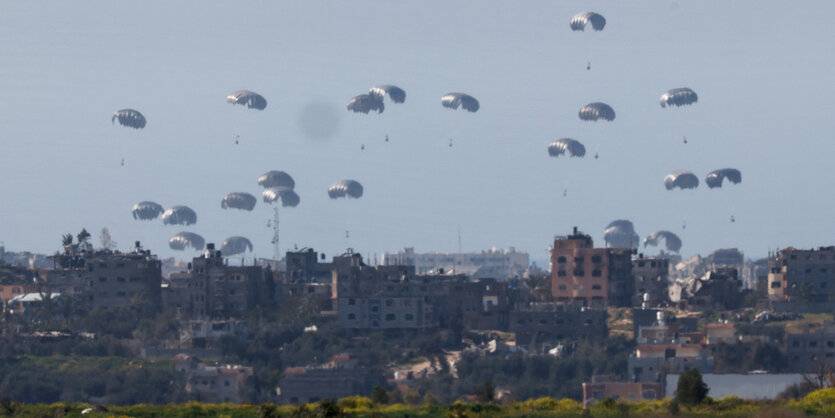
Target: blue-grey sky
(764, 72)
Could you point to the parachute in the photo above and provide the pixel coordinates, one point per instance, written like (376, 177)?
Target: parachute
(465, 101)
(671, 240)
(560, 146)
(247, 98)
(288, 197)
(596, 111)
(621, 234)
(682, 179)
(129, 117)
(146, 211)
(345, 188)
(715, 177)
(396, 94)
(184, 240)
(276, 179)
(581, 20)
(365, 103)
(238, 200)
(179, 215)
(679, 97)
(235, 245)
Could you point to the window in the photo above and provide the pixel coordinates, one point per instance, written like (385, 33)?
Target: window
(813, 343)
(375, 309)
(579, 273)
(120, 265)
(352, 302)
(596, 273)
(578, 260)
(561, 273)
(389, 302)
(561, 287)
(641, 264)
(410, 317)
(776, 284)
(120, 279)
(595, 287)
(352, 316)
(561, 259)
(391, 317)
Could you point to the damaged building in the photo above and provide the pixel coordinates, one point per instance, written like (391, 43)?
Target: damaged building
(714, 290)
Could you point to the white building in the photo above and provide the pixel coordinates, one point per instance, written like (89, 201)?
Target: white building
(491, 264)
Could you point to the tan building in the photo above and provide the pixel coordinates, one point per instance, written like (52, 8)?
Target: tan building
(212, 384)
(589, 276)
(632, 392)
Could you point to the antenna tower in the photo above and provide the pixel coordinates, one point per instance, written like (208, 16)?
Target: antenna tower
(276, 251)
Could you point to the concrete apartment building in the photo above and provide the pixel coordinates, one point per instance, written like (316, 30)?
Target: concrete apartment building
(596, 277)
(806, 351)
(602, 387)
(108, 280)
(660, 350)
(802, 275)
(543, 321)
(212, 384)
(338, 379)
(491, 264)
(211, 288)
(304, 266)
(650, 275)
(394, 297)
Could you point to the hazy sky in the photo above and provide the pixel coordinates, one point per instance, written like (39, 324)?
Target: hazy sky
(764, 72)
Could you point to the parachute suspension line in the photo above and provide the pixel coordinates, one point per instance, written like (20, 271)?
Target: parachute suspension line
(276, 250)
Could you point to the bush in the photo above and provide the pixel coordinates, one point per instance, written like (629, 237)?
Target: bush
(355, 403)
(691, 389)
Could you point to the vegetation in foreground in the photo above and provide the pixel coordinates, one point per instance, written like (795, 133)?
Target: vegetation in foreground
(817, 403)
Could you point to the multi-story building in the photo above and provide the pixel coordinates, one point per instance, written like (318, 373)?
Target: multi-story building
(808, 351)
(720, 290)
(211, 288)
(802, 275)
(393, 297)
(16, 281)
(557, 321)
(491, 264)
(108, 280)
(604, 387)
(212, 384)
(304, 266)
(338, 379)
(660, 351)
(589, 276)
(650, 275)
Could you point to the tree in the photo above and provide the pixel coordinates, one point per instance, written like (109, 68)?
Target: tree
(379, 395)
(66, 239)
(83, 236)
(691, 389)
(485, 393)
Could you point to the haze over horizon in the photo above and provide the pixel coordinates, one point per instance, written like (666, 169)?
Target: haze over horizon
(765, 87)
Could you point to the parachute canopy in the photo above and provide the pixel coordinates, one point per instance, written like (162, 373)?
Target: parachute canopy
(715, 177)
(288, 197)
(596, 111)
(184, 240)
(621, 234)
(238, 200)
(583, 19)
(129, 117)
(682, 179)
(465, 101)
(276, 179)
(365, 103)
(345, 188)
(247, 98)
(396, 94)
(235, 245)
(146, 210)
(679, 97)
(671, 240)
(560, 146)
(179, 215)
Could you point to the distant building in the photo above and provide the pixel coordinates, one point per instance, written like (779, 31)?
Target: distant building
(394, 297)
(544, 321)
(212, 384)
(201, 332)
(492, 264)
(305, 267)
(589, 276)
(717, 290)
(807, 351)
(802, 275)
(21, 303)
(661, 350)
(211, 288)
(602, 387)
(108, 280)
(650, 276)
(338, 379)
